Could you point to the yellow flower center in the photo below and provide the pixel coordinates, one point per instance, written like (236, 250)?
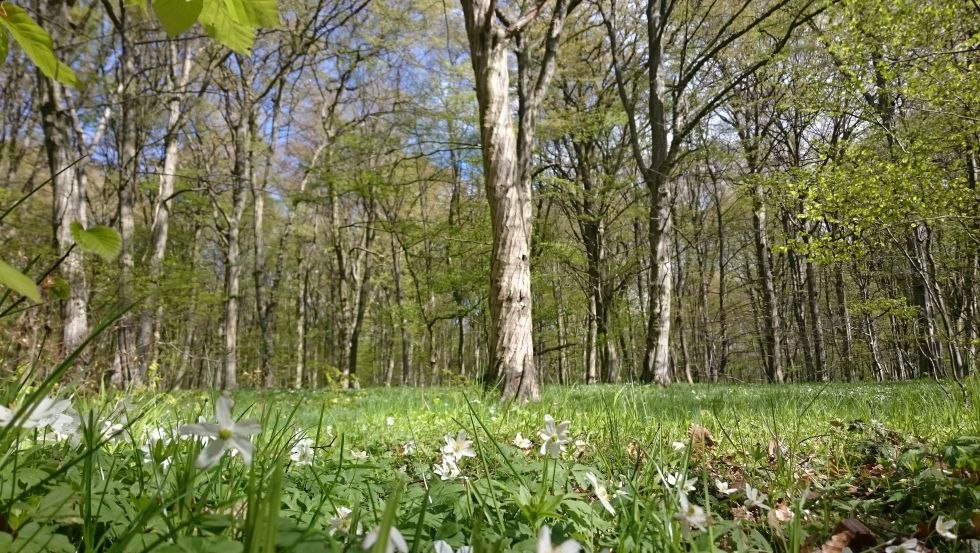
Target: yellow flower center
(224, 434)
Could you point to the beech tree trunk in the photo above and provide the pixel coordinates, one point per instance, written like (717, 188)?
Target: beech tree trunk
(508, 185)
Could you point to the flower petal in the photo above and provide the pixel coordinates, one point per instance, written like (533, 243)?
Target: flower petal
(244, 446)
(222, 411)
(211, 454)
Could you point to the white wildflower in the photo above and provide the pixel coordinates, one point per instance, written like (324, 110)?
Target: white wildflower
(678, 446)
(442, 547)
(677, 480)
(690, 515)
(545, 545)
(522, 442)
(396, 542)
(945, 528)
(41, 414)
(601, 493)
(447, 470)
(302, 452)
(754, 498)
(458, 447)
(390, 421)
(724, 488)
(908, 546)
(554, 437)
(223, 435)
(359, 454)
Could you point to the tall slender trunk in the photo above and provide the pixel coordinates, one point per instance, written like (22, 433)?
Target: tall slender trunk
(771, 321)
(301, 328)
(506, 170)
(127, 367)
(404, 340)
(591, 351)
(815, 322)
(240, 180)
(68, 206)
(562, 336)
(844, 319)
(150, 315)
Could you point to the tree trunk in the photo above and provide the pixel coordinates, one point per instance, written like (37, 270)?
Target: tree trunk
(301, 328)
(844, 319)
(240, 178)
(150, 320)
(127, 367)
(68, 206)
(772, 324)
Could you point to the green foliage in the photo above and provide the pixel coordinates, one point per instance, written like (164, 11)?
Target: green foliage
(177, 16)
(18, 282)
(100, 240)
(133, 487)
(35, 41)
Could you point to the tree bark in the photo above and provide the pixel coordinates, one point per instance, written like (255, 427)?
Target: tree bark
(69, 203)
(508, 187)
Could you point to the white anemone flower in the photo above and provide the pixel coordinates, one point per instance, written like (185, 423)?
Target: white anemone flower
(677, 480)
(678, 446)
(341, 520)
(724, 488)
(396, 542)
(908, 546)
(67, 427)
(545, 545)
(440, 546)
(458, 447)
(390, 421)
(42, 414)
(522, 442)
(359, 455)
(601, 493)
(447, 470)
(223, 435)
(554, 437)
(945, 528)
(302, 452)
(690, 515)
(755, 498)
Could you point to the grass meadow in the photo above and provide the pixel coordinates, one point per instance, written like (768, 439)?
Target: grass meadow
(837, 467)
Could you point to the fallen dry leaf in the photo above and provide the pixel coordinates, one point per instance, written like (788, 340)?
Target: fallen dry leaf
(838, 542)
(700, 436)
(861, 536)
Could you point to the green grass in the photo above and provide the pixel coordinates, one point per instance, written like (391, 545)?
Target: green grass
(893, 456)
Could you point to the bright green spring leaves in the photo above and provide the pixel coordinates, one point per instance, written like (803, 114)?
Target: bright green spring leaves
(231, 22)
(100, 240)
(35, 41)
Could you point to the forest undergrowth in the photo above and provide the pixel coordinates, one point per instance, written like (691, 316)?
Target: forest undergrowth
(831, 468)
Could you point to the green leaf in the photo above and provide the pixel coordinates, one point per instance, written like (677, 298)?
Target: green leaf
(176, 16)
(18, 282)
(100, 240)
(4, 46)
(36, 43)
(262, 13)
(220, 25)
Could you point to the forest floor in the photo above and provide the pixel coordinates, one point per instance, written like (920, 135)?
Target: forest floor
(865, 467)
